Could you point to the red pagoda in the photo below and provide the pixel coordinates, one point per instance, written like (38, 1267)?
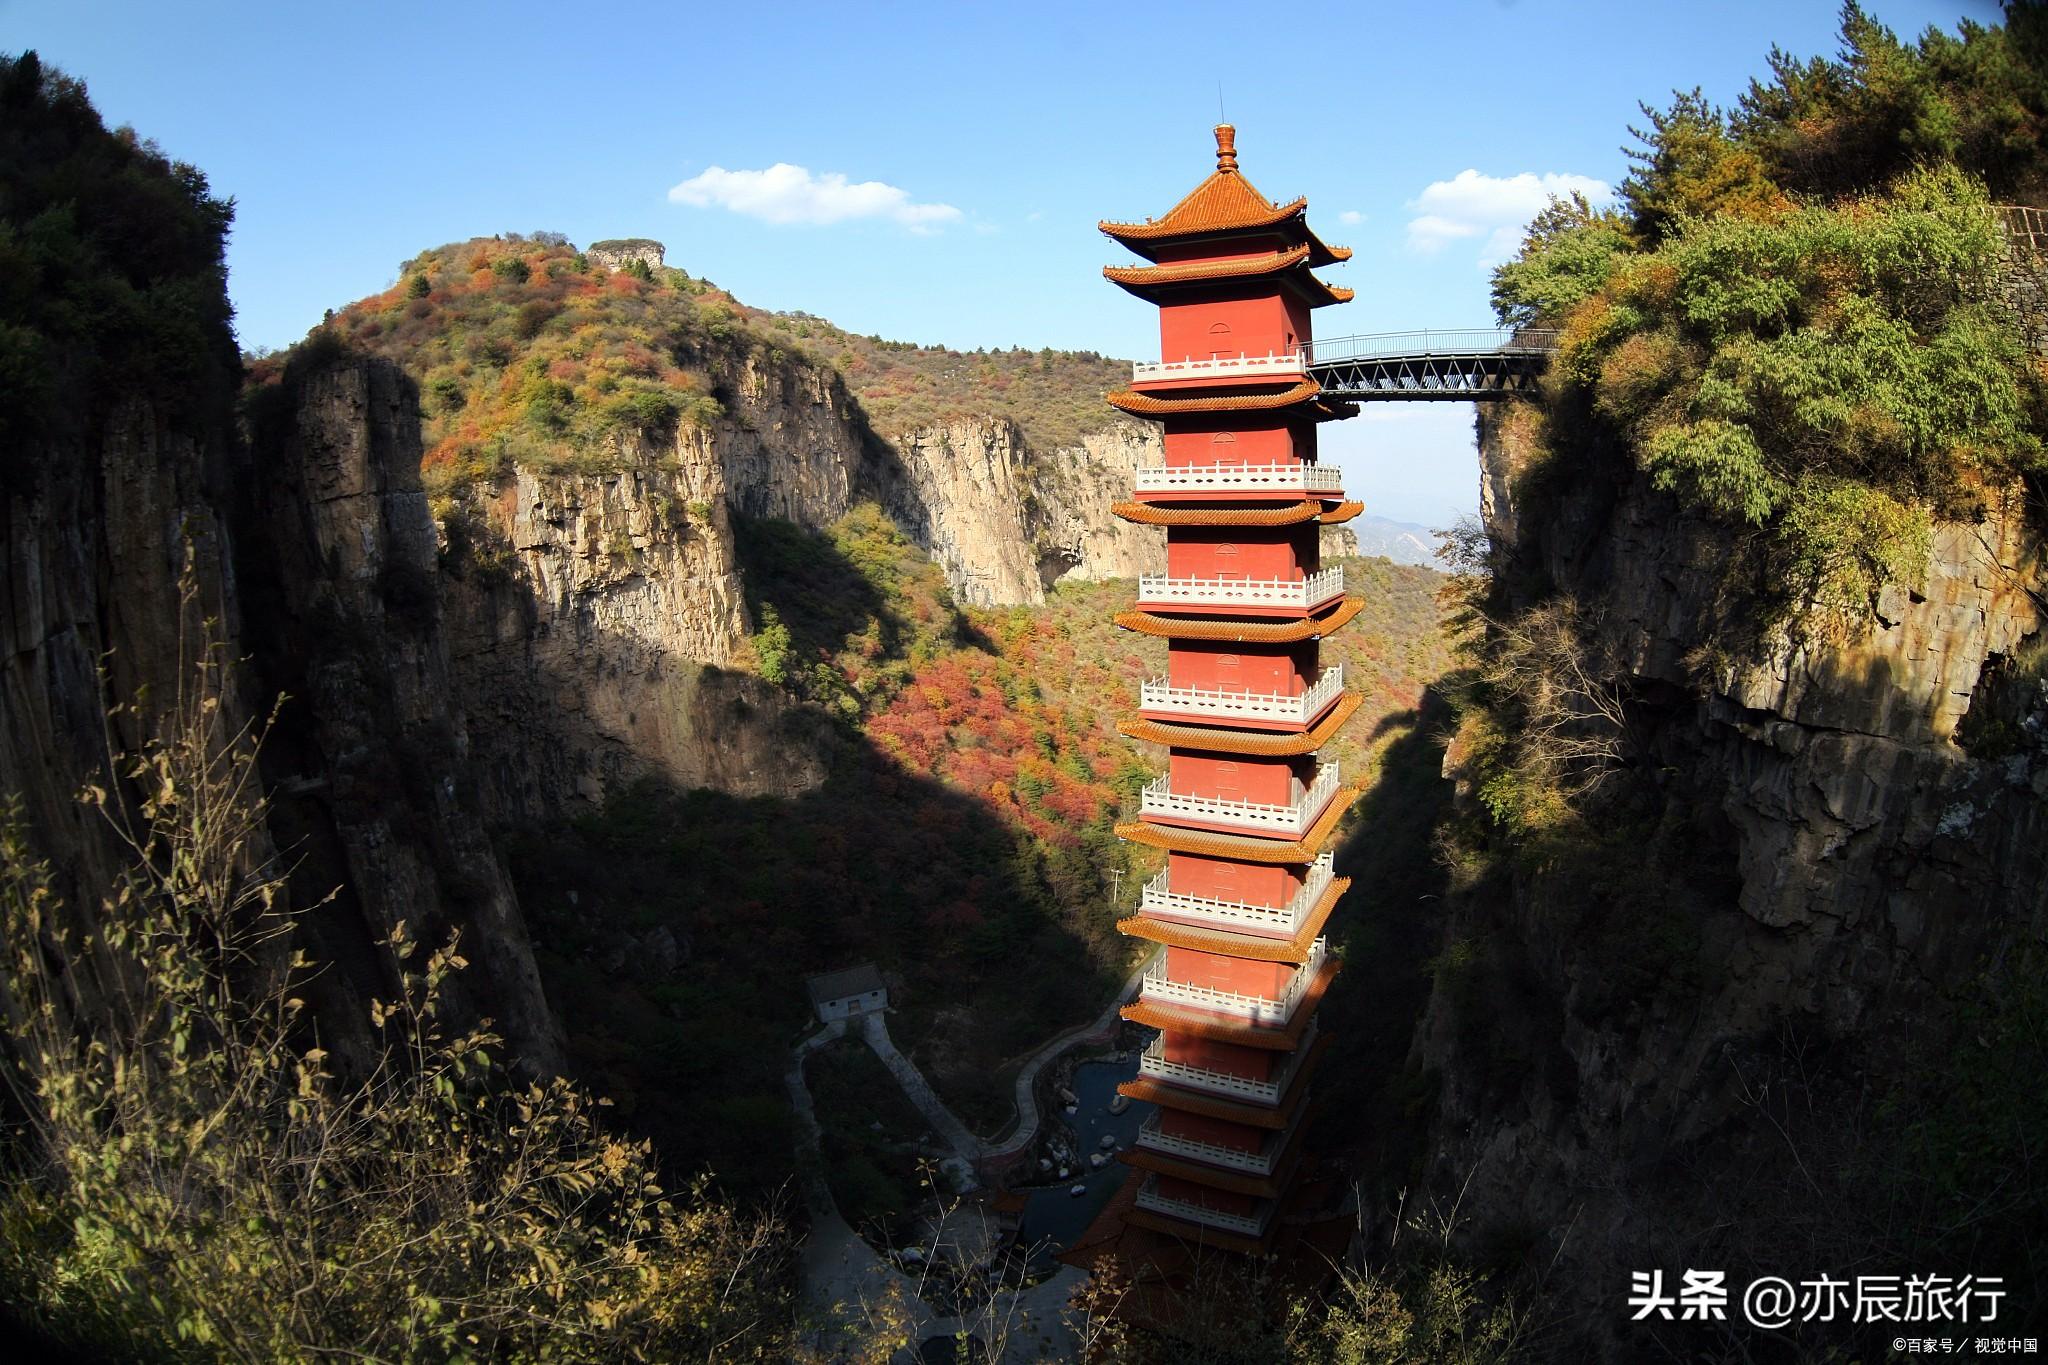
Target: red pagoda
(1245, 812)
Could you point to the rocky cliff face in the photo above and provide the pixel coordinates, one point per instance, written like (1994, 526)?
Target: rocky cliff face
(1695, 1067)
(1006, 523)
(596, 634)
(371, 761)
(96, 538)
(315, 560)
(598, 622)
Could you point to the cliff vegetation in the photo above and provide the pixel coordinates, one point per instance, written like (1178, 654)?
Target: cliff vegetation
(1799, 319)
(526, 352)
(1743, 872)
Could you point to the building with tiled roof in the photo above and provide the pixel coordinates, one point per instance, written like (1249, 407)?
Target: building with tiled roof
(845, 994)
(1245, 812)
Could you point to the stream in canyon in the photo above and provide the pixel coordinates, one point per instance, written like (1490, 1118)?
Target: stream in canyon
(1055, 1217)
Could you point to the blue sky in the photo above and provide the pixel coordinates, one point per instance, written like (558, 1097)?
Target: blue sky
(975, 146)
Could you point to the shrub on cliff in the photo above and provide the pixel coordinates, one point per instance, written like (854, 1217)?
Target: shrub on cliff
(1828, 376)
(525, 358)
(197, 1180)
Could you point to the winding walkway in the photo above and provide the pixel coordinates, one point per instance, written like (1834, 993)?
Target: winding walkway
(1028, 1116)
(843, 1277)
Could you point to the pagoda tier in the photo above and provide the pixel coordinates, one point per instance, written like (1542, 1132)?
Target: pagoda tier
(1245, 811)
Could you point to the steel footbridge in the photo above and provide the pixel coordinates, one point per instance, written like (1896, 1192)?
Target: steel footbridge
(1464, 366)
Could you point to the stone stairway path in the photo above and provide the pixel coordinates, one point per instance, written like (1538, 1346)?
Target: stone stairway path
(810, 1159)
(874, 1027)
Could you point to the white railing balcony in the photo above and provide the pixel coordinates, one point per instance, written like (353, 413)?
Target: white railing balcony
(1256, 817)
(1153, 1062)
(1259, 1162)
(1259, 1009)
(1275, 708)
(1157, 902)
(1293, 477)
(1300, 594)
(1220, 367)
(1150, 1198)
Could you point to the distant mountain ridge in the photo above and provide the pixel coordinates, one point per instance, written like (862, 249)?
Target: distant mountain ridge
(1404, 542)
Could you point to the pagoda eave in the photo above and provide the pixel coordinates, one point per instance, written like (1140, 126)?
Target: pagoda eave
(1297, 277)
(1243, 848)
(1297, 949)
(1276, 1116)
(1201, 1233)
(1341, 513)
(1222, 1028)
(1302, 392)
(1209, 271)
(1274, 613)
(1218, 1177)
(1191, 220)
(1242, 632)
(1200, 500)
(1271, 744)
(1198, 383)
(1293, 514)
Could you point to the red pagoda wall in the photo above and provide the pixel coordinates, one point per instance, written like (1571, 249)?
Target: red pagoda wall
(1190, 874)
(1277, 670)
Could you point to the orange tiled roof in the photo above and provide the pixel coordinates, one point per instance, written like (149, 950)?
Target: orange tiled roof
(1261, 744)
(1183, 272)
(1225, 202)
(1242, 632)
(1242, 847)
(1148, 514)
(1145, 405)
(1342, 512)
(1249, 946)
(1221, 1028)
(1143, 280)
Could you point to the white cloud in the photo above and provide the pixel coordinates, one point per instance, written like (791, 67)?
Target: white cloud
(791, 194)
(1351, 218)
(1493, 208)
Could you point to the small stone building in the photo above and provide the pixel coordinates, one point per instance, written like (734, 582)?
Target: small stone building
(847, 994)
(617, 252)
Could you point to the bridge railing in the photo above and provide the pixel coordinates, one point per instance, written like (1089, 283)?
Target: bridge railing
(1431, 342)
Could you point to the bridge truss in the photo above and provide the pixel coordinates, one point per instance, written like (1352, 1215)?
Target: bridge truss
(1460, 366)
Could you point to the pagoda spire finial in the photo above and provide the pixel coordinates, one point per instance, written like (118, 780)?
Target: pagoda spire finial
(1226, 149)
